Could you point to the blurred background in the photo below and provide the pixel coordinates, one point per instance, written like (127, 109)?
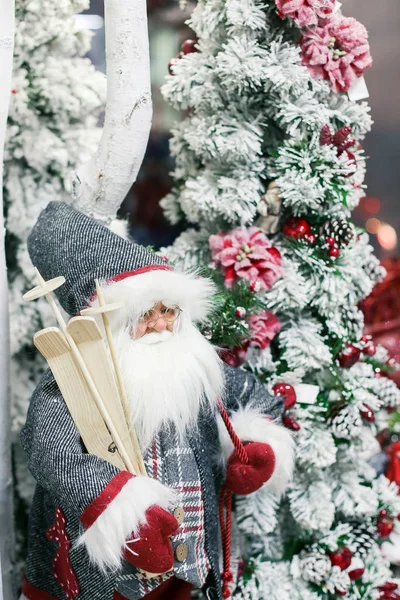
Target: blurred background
(378, 211)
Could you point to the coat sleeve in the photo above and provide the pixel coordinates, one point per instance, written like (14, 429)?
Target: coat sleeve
(110, 504)
(256, 416)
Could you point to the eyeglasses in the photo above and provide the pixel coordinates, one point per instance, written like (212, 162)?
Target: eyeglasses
(168, 313)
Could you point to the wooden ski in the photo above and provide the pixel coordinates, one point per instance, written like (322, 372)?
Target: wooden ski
(54, 347)
(86, 334)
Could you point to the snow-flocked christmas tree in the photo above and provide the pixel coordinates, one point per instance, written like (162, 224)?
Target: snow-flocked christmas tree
(52, 127)
(269, 166)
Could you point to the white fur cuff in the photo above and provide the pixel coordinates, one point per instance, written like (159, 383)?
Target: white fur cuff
(105, 539)
(251, 425)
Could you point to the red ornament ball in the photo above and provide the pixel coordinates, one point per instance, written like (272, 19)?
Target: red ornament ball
(369, 349)
(333, 252)
(288, 392)
(330, 241)
(349, 356)
(189, 46)
(341, 592)
(173, 61)
(297, 228)
(367, 414)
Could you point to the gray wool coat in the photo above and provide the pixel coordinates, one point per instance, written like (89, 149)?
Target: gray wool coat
(68, 478)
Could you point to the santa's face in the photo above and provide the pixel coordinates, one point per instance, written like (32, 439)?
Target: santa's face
(169, 370)
(159, 318)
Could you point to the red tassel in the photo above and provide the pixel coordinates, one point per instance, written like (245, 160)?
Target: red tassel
(225, 523)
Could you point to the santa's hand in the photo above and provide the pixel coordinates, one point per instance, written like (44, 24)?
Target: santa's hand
(118, 514)
(151, 549)
(247, 477)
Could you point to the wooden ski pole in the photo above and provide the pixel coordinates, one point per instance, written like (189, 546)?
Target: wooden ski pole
(121, 386)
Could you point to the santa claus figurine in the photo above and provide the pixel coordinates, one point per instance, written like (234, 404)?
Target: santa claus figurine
(97, 532)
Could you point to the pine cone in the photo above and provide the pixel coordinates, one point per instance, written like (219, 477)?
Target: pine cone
(342, 231)
(362, 539)
(347, 424)
(315, 567)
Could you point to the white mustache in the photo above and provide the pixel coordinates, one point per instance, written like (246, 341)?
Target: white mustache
(155, 337)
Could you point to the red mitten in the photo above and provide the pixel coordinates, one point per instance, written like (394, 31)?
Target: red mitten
(247, 478)
(152, 551)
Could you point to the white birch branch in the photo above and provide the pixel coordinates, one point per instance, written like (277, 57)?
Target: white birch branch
(101, 184)
(6, 514)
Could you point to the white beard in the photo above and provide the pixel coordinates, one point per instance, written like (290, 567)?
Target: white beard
(168, 377)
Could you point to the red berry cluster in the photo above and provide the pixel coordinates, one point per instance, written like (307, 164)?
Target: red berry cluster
(384, 523)
(333, 248)
(300, 229)
(187, 47)
(288, 393)
(342, 558)
(388, 591)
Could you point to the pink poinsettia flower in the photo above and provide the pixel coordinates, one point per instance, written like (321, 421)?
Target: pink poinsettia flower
(246, 253)
(338, 51)
(263, 326)
(305, 13)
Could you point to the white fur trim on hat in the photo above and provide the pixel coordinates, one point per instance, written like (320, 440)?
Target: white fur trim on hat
(193, 294)
(251, 425)
(105, 539)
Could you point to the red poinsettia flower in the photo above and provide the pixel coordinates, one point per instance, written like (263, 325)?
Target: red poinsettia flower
(246, 253)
